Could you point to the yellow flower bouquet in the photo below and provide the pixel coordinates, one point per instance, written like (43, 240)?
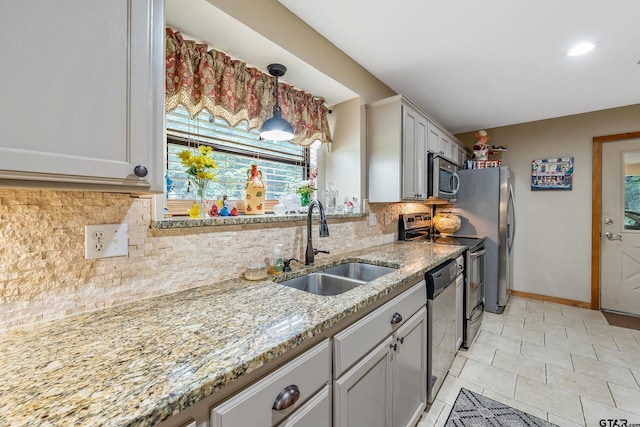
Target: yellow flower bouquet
(200, 170)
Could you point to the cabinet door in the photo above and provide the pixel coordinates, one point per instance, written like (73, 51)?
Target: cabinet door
(315, 413)
(91, 109)
(462, 156)
(414, 154)
(410, 379)
(459, 310)
(421, 163)
(446, 146)
(433, 143)
(363, 395)
(409, 148)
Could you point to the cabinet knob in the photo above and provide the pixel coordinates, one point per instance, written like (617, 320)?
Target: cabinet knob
(287, 397)
(140, 171)
(396, 318)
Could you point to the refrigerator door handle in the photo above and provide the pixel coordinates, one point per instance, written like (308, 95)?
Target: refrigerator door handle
(511, 226)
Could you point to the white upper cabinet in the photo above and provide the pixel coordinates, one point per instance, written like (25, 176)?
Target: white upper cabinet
(83, 101)
(414, 152)
(397, 134)
(443, 143)
(399, 137)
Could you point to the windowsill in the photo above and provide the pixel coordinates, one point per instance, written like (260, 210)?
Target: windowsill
(186, 222)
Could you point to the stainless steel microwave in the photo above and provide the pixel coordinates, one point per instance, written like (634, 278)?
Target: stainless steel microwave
(443, 178)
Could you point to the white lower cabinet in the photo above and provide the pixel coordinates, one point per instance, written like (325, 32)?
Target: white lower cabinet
(388, 385)
(281, 394)
(379, 378)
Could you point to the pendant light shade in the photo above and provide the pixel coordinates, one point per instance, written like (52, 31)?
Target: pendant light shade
(276, 128)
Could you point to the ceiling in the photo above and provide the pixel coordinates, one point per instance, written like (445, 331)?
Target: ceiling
(469, 64)
(480, 64)
(201, 21)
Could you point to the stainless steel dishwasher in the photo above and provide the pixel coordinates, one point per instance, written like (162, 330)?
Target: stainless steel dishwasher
(441, 341)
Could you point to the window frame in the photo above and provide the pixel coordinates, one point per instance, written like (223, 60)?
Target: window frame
(240, 150)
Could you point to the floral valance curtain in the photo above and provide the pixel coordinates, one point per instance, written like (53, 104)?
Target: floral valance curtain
(204, 79)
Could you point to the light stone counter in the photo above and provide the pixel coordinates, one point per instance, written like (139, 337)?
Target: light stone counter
(137, 364)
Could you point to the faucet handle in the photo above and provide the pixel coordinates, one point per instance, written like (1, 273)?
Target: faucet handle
(316, 251)
(287, 263)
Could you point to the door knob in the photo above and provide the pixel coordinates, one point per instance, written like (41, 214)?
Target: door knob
(612, 236)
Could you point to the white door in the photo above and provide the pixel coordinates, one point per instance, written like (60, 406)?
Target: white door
(620, 225)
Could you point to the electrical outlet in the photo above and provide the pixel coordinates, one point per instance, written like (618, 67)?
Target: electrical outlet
(372, 219)
(106, 240)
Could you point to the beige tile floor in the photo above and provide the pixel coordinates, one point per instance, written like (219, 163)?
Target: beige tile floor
(560, 363)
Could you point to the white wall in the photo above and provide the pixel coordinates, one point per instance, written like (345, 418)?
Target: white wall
(342, 163)
(553, 233)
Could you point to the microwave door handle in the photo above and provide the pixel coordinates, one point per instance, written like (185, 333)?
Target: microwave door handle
(455, 178)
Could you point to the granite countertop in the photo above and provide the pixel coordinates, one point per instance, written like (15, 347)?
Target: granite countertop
(136, 364)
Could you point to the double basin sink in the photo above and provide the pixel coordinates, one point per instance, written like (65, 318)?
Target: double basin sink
(338, 279)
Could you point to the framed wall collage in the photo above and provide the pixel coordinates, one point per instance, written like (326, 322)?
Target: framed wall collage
(552, 174)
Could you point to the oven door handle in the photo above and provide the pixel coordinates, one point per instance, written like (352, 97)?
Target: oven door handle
(478, 253)
(479, 307)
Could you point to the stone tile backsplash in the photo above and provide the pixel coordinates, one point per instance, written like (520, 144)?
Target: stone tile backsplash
(44, 276)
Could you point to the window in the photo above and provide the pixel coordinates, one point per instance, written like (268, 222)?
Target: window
(283, 164)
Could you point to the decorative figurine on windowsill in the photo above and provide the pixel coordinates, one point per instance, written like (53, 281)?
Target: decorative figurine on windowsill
(481, 148)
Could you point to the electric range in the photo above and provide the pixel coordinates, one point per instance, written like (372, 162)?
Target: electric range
(418, 227)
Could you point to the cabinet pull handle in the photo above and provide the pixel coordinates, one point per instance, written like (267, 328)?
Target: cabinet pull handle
(396, 318)
(401, 340)
(140, 171)
(394, 347)
(287, 398)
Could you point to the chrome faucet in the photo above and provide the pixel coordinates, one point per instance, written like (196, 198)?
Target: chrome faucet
(324, 231)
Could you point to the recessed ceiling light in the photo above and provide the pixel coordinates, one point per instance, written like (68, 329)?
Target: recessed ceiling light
(582, 48)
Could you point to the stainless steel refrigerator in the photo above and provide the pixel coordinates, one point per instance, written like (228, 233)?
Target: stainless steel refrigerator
(485, 202)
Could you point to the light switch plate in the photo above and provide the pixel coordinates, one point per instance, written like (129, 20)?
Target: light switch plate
(372, 219)
(106, 240)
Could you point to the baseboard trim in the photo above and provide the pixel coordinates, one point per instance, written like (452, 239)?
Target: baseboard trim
(556, 300)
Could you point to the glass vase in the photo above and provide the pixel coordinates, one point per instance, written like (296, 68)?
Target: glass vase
(200, 186)
(304, 199)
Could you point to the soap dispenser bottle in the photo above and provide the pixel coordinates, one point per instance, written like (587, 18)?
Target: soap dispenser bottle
(277, 265)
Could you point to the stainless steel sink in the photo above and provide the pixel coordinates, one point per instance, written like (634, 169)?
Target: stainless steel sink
(323, 284)
(339, 279)
(359, 271)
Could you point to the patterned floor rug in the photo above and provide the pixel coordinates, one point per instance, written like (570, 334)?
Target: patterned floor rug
(474, 410)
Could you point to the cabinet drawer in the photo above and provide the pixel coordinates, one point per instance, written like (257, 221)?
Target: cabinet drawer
(315, 413)
(308, 373)
(358, 339)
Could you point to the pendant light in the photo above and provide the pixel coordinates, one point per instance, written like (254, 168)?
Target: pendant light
(276, 128)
